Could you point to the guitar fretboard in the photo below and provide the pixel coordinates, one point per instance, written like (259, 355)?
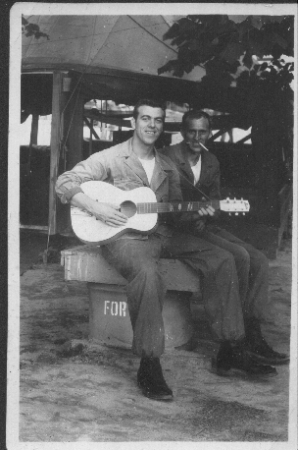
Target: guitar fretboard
(149, 208)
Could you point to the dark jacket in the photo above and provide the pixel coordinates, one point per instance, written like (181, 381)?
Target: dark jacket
(208, 185)
(209, 182)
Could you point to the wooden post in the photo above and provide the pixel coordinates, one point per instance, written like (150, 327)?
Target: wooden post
(55, 147)
(33, 140)
(34, 130)
(74, 118)
(73, 106)
(90, 142)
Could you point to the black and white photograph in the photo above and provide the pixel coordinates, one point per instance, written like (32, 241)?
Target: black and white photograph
(152, 226)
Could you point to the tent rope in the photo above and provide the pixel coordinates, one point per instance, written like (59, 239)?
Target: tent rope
(153, 35)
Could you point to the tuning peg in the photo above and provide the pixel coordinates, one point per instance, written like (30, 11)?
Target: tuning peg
(230, 214)
(236, 214)
(243, 214)
(234, 199)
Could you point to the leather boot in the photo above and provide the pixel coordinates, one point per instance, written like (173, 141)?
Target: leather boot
(236, 358)
(257, 346)
(151, 381)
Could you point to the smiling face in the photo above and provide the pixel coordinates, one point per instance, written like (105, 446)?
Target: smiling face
(196, 131)
(148, 125)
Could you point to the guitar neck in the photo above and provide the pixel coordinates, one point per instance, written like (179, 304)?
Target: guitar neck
(147, 208)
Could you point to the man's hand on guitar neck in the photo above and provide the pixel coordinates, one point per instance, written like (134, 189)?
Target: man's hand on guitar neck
(208, 211)
(106, 212)
(200, 221)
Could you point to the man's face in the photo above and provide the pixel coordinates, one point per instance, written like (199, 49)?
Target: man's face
(196, 131)
(149, 124)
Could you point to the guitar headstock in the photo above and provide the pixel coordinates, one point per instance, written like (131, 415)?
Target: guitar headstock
(231, 205)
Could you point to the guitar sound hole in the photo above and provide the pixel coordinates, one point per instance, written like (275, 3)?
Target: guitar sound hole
(128, 208)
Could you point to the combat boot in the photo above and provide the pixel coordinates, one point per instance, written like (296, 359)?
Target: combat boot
(257, 346)
(151, 381)
(231, 359)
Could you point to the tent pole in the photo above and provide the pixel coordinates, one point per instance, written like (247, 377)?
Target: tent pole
(34, 129)
(74, 118)
(90, 141)
(55, 148)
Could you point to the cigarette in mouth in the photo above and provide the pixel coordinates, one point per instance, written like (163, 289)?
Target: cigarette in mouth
(205, 148)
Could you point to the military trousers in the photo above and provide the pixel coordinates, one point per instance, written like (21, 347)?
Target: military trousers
(137, 261)
(252, 269)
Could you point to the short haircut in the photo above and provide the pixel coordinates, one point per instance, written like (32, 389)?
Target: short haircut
(148, 102)
(195, 114)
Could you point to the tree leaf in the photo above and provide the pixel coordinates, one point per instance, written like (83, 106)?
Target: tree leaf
(277, 39)
(173, 66)
(247, 59)
(186, 26)
(243, 29)
(172, 32)
(232, 52)
(218, 42)
(257, 22)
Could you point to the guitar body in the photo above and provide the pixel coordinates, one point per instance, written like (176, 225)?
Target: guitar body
(90, 230)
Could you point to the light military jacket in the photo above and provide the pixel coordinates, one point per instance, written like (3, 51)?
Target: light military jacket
(120, 166)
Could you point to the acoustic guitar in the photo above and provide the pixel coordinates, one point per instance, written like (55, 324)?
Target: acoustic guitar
(141, 208)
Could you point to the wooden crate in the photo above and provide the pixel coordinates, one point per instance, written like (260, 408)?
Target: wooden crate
(109, 321)
(86, 263)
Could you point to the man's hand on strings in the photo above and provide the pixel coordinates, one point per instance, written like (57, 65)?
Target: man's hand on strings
(106, 212)
(109, 214)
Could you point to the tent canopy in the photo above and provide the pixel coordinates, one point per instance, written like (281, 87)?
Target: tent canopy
(129, 43)
(117, 57)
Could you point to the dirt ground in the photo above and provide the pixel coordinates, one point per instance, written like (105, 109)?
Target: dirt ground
(75, 390)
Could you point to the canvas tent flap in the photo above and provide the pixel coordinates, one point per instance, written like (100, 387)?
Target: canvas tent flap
(128, 89)
(36, 95)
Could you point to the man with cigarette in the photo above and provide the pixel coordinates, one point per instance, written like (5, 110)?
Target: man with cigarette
(200, 179)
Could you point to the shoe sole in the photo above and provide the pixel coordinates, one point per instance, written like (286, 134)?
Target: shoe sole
(263, 359)
(233, 371)
(161, 397)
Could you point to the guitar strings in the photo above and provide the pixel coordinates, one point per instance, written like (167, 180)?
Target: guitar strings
(159, 207)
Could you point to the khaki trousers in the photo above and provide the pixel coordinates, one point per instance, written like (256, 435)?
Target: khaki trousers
(137, 261)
